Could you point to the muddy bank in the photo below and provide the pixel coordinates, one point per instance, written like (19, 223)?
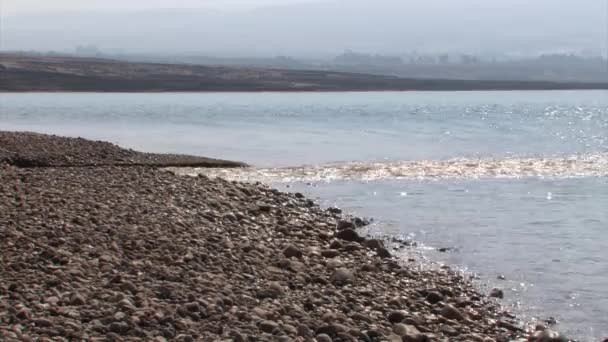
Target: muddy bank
(26, 149)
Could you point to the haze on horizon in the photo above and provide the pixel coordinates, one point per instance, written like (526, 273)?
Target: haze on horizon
(306, 28)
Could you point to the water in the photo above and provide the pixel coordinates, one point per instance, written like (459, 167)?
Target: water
(515, 182)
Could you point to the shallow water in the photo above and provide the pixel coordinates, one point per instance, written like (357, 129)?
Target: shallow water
(515, 182)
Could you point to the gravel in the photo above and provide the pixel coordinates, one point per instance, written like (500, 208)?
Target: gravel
(140, 254)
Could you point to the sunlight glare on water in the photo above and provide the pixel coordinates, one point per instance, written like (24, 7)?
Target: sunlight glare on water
(513, 184)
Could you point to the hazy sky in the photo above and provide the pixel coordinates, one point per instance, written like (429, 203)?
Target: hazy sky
(13, 7)
(307, 28)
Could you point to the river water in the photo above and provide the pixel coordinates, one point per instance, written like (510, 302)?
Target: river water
(514, 183)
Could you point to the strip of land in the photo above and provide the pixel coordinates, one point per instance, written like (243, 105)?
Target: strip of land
(32, 73)
(136, 253)
(26, 149)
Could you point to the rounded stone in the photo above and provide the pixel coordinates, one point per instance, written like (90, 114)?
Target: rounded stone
(342, 276)
(396, 316)
(323, 338)
(292, 251)
(497, 293)
(405, 330)
(434, 297)
(450, 312)
(348, 235)
(548, 335)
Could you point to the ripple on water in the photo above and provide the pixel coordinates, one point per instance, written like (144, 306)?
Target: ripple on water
(594, 165)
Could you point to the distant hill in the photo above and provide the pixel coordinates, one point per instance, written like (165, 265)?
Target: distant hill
(20, 72)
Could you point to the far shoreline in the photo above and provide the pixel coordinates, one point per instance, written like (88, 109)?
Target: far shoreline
(549, 90)
(25, 73)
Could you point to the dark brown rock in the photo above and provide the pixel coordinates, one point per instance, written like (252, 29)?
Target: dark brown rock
(292, 251)
(497, 293)
(450, 312)
(345, 225)
(348, 235)
(268, 326)
(434, 297)
(396, 316)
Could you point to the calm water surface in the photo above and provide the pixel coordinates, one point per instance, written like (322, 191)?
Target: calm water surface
(516, 182)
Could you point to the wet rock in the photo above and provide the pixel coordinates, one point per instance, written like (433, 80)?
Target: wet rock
(374, 244)
(345, 225)
(383, 253)
(334, 210)
(359, 223)
(508, 325)
(348, 235)
(551, 321)
(548, 336)
(497, 293)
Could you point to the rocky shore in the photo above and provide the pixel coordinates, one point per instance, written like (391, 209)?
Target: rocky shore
(25, 149)
(136, 253)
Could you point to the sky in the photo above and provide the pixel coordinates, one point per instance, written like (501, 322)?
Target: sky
(306, 28)
(13, 7)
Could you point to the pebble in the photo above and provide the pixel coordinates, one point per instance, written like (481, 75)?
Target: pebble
(434, 297)
(396, 316)
(77, 299)
(348, 235)
(405, 330)
(342, 276)
(342, 224)
(548, 335)
(323, 338)
(268, 326)
(450, 312)
(292, 251)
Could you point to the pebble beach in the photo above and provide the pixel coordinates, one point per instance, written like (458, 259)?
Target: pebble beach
(100, 243)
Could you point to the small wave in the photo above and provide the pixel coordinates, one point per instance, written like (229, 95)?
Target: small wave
(595, 165)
